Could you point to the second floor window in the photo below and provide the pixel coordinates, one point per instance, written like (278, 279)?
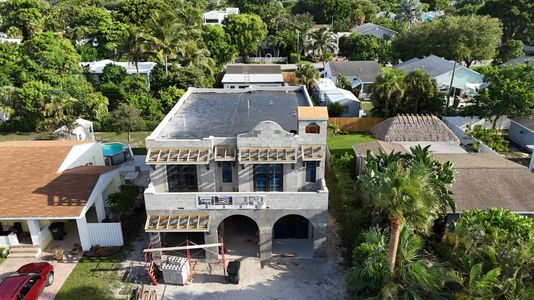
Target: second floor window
(182, 178)
(313, 128)
(227, 171)
(268, 178)
(311, 171)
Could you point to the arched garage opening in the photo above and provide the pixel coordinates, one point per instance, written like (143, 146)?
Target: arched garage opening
(240, 235)
(293, 237)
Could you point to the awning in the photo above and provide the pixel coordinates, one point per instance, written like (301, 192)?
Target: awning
(224, 153)
(176, 156)
(312, 153)
(268, 155)
(177, 223)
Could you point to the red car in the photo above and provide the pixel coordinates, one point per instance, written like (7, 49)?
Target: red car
(28, 282)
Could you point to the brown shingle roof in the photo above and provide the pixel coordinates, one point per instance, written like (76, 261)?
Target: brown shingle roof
(31, 187)
(413, 128)
(486, 180)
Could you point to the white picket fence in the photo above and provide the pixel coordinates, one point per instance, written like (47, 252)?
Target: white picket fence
(105, 234)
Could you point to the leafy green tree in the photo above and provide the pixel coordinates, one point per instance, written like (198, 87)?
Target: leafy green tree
(510, 93)
(122, 202)
(169, 97)
(460, 38)
(138, 12)
(181, 78)
(418, 85)
(360, 47)
(467, 7)
(438, 4)
(306, 75)
(343, 82)
(245, 32)
(517, 17)
(335, 109)
(127, 118)
(113, 73)
(218, 45)
(388, 93)
(479, 285)
(322, 40)
(164, 38)
(363, 11)
(189, 54)
(410, 11)
(324, 11)
(47, 57)
(26, 15)
(509, 50)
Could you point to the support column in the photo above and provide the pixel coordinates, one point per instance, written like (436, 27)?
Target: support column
(211, 237)
(266, 243)
(35, 231)
(155, 242)
(319, 241)
(100, 209)
(83, 232)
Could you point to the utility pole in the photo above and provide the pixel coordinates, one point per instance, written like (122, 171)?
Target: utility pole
(298, 52)
(450, 87)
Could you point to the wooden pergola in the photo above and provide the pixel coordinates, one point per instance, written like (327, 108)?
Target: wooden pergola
(224, 153)
(312, 152)
(178, 156)
(268, 155)
(178, 223)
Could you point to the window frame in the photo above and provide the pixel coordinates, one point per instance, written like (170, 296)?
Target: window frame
(182, 179)
(272, 177)
(227, 169)
(311, 171)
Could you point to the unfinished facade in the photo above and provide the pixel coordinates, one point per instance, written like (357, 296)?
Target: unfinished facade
(243, 166)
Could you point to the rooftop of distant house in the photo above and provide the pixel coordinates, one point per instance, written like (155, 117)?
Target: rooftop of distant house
(365, 70)
(374, 30)
(97, 67)
(255, 73)
(413, 128)
(202, 113)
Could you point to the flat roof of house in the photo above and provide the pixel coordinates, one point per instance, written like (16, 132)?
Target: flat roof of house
(32, 187)
(97, 67)
(202, 113)
(255, 73)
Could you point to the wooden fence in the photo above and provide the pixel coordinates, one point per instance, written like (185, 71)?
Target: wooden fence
(353, 124)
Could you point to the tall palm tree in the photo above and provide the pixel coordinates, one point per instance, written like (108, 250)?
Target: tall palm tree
(134, 45)
(479, 285)
(166, 34)
(307, 74)
(323, 41)
(418, 83)
(190, 54)
(388, 90)
(405, 194)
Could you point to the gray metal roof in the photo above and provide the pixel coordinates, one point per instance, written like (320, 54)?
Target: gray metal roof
(520, 60)
(226, 113)
(432, 64)
(377, 31)
(366, 70)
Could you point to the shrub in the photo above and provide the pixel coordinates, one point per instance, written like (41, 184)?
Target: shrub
(294, 58)
(335, 109)
(490, 137)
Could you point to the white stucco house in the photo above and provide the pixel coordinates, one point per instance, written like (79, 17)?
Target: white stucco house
(82, 130)
(96, 68)
(46, 182)
(216, 17)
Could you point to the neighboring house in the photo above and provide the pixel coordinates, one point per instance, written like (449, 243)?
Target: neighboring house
(380, 32)
(483, 180)
(216, 17)
(361, 74)
(246, 167)
(52, 181)
(327, 92)
(82, 131)
(466, 81)
(96, 68)
(240, 76)
(521, 132)
(4, 38)
(520, 60)
(3, 117)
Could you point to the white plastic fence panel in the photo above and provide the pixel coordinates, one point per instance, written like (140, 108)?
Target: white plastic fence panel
(105, 234)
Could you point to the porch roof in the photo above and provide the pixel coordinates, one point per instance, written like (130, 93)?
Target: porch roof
(31, 187)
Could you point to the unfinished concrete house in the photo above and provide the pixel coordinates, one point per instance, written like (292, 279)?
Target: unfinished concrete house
(245, 167)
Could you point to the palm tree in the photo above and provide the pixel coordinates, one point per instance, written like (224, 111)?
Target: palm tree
(405, 194)
(410, 11)
(307, 74)
(165, 37)
(418, 83)
(190, 54)
(479, 285)
(415, 278)
(134, 45)
(388, 90)
(323, 41)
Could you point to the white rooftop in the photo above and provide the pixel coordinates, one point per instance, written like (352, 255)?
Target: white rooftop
(98, 66)
(253, 78)
(435, 147)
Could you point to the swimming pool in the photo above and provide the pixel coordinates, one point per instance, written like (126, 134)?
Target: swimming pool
(111, 149)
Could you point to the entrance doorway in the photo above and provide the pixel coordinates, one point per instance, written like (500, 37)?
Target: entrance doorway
(240, 235)
(293, 237)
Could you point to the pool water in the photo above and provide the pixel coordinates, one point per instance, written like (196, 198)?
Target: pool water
(112, 149)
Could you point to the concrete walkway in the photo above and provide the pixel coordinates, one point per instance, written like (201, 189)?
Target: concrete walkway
(62, 270)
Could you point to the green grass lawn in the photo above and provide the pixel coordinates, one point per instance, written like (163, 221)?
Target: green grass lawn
(7, 137)
(341, 143)
(2, 260)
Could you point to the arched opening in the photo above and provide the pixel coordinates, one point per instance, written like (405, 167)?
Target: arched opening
(313, 128)
(240, 235)
(293, 237)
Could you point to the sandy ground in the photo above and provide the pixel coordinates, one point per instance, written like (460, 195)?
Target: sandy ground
(280, 279)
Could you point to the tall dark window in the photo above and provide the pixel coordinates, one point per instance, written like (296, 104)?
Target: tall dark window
(182, 178)
(311, 171)
(227, 171)
(269, 178)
